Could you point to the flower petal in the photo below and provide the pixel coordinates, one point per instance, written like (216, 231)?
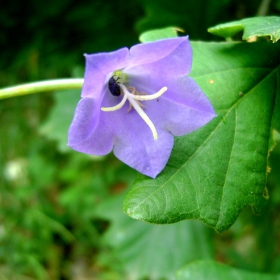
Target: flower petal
(182, 109)
(88, 133)
(133, 140)
(161, 59)
(98, 66)
(139, 150)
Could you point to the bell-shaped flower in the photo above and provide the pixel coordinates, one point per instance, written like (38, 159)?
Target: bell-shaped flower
(134, 101)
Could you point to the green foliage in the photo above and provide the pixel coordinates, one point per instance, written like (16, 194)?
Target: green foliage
(48, 212)
(145, 249)
(257, 26)
(54, 35)
(210, 270)
(61, 212)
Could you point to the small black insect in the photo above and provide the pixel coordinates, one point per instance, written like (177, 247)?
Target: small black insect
(114, 87)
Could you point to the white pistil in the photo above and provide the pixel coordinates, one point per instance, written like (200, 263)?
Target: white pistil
(150, 96)
(132, 98)
(117, 107)
(144, 116)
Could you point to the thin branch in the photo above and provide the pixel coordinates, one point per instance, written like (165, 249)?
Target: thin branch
(43, 86)
(263, 8)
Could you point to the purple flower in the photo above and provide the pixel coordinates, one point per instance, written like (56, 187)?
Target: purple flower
(134, 101)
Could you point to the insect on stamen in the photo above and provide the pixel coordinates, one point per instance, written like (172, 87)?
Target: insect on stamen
(114, 87)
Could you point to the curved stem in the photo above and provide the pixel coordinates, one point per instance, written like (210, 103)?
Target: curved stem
(263, 8)
(43, 86)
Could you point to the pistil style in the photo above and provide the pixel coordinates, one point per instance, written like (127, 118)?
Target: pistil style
(133, 98)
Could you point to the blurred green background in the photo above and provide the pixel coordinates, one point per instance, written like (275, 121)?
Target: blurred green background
(60, 211)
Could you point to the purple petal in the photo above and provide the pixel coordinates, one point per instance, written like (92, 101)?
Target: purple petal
(143, 153)
(88, 133)
(161, 59)
(182, 109)
(98, 66)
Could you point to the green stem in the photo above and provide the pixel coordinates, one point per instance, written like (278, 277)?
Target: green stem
(263, 8)
(36, 87)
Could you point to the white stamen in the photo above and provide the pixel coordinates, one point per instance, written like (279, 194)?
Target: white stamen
(150, 96)
(132, 98)
(144, 116)
(114, 108)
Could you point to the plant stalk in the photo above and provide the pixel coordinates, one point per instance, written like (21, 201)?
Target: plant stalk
(43, 86)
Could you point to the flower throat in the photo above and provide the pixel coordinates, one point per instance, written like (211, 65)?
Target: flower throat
(116, 87)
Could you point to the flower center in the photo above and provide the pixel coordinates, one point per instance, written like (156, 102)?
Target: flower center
(116, 88)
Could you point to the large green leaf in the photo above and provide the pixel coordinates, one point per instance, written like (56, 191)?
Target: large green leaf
(256, 26)
(216, 171)
(154, 251)
(210, 270)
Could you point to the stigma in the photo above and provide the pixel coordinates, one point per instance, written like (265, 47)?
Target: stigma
(134, 99)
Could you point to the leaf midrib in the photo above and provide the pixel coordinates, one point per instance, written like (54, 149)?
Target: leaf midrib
(204, 142)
